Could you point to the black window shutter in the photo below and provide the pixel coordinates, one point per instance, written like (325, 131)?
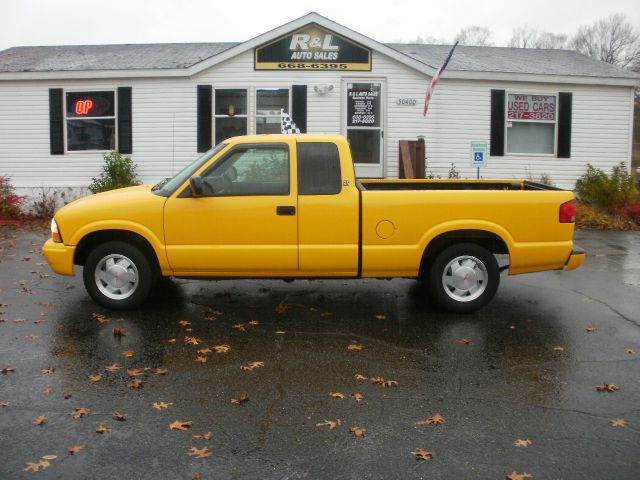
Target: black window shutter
(565, 103)
(125, 142)
(205, 103)
(497, 123)
(299, 107)
(56, 116)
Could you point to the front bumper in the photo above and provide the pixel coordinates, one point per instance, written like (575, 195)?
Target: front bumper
(59, 256)
(575, 259)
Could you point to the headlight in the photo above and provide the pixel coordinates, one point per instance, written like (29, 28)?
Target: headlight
(55, 233)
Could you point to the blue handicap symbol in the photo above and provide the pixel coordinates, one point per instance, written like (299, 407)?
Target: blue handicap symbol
(479, 156)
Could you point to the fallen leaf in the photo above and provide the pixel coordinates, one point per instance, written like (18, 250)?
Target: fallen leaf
(221, 348)
(75, 449)
(135, 384)
(361, 377)
(252, 366)
(607, 387)
(253, 323)
(381, 317)
(48, 370)
(160, 371)
(95, 378)
(171, 340)
(80, 412)
(204, 351)
(121, 417)
(522, 442)
(49, 457)
(103, 428)
(161, 405)
(100, 318)
(377, 380)
(36, 467)
(465, 341)
(128, 354)
(337, 395)
(618, 422)
(112, 368)
(67, 395)
(630, 351)
(436, 419)
(241, 399)
(8, 369)
(590, 329)
(239, 326)
(280, 332)
(4, 404)
(519, 476)
(422, 454)
(184, 323)
(181, 425)
(201, 359)
(32, 336)
(389, 383)
(283, 307)
(119, 332)
(206, 436)
(358, 397)
(199, 453)
(355, 347)
(192, 340)
(558, 349)
(330, 423)
(134, 372)
(40, 420)
(358, 431)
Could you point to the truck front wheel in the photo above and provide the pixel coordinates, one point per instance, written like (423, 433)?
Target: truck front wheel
(118, 275)
(463, 278)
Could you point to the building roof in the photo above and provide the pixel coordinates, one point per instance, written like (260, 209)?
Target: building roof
(512, 60)
(152, 56)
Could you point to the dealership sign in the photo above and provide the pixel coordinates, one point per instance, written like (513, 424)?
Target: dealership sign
(531, 107)
(312, 48)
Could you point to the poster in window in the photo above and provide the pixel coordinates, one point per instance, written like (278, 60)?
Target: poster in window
(363, 105)
(531, 107)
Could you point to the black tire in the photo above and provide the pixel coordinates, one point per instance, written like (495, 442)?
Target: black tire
(481, 276)
(128, 261)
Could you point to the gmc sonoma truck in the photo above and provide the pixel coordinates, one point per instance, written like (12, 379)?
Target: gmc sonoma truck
(290, 206)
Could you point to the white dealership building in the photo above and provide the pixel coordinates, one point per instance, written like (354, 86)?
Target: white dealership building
(537, 111)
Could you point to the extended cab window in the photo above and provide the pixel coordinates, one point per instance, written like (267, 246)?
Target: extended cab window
(250, 170)
(318, 169)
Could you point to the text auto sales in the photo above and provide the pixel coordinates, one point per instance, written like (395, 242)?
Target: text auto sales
(302, 43)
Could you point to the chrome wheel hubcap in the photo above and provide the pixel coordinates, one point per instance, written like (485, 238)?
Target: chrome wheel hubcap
(116, 277)
(465, 278)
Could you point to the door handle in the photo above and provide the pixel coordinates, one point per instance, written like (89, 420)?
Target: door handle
(285, 210)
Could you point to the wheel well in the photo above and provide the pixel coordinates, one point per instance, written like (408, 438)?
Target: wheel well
(488, 240)
(94, 239)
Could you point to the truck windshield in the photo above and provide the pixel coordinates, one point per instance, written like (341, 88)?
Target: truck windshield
(169, 185)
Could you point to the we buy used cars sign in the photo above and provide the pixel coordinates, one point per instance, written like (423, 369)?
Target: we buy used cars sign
(531, 107)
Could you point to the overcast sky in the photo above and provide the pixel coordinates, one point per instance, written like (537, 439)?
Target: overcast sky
(73, 22)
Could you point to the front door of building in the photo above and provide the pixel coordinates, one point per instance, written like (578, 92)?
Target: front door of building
(364, 126)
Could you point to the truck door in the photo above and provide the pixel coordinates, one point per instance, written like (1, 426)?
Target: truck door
(245, 223)
(328, 219)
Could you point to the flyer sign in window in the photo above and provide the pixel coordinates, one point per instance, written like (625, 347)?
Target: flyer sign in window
(531, 107)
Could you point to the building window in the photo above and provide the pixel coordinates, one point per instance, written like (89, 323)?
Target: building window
(269, 102)
(230, 113)
(91, 121)
(531, 124)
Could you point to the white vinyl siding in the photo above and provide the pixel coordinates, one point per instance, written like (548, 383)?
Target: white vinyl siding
(164, 122)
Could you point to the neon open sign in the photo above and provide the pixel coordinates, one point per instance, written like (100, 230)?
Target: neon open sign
(83, 107)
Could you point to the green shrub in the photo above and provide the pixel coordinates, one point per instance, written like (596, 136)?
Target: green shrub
(10, 203)
(118, 172)
(613, 191)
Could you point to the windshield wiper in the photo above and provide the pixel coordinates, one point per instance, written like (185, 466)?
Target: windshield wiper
(160, 184)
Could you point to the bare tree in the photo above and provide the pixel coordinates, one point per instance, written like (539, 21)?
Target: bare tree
(612, 39)
(474, 35)
(529, 37)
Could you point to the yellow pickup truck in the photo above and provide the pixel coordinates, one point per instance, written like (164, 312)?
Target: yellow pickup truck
(290, 206)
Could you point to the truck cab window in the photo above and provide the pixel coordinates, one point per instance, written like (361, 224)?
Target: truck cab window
(318, 169)
(257, 170)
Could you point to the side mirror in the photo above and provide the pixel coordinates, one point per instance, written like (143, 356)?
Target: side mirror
(195, 183)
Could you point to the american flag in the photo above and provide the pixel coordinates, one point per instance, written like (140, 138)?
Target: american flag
(434, 81)
(286, 123)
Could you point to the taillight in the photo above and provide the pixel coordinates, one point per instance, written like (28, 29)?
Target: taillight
(568, 212)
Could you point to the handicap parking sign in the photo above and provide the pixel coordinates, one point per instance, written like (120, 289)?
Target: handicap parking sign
(479, 151)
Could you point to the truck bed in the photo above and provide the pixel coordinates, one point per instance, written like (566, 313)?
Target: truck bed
(428, 184)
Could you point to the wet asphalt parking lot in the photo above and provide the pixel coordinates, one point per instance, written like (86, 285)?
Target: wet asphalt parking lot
(516, 383)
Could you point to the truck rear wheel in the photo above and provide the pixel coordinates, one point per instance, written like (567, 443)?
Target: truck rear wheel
(463, 278)
(118, 275)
